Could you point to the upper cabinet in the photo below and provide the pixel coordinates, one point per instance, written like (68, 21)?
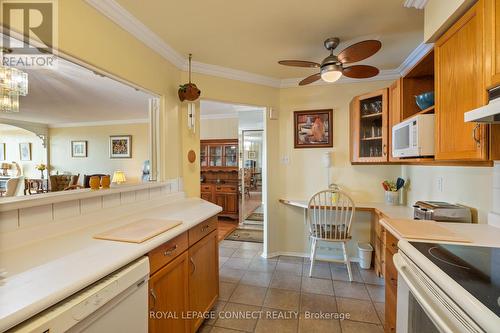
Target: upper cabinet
(369, 119)
(459, 71)
(216, 154)
(492, 42)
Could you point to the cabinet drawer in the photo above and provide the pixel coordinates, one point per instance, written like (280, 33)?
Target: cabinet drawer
(391, 242)
(165, 253)
(226, 188)
(201, 230)
(206, 188)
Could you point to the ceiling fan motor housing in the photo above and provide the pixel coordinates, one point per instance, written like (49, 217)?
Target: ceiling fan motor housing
(331, 43)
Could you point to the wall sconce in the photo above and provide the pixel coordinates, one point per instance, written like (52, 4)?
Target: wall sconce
(191, 109)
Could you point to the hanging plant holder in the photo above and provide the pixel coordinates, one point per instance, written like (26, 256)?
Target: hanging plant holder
(189, 91)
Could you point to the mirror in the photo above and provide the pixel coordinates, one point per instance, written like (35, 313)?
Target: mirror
(72, 124)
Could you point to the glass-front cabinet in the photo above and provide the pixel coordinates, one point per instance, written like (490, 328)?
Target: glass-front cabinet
(218, 154)
(369, 128)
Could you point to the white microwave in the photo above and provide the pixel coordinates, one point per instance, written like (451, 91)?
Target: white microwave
(414, 137)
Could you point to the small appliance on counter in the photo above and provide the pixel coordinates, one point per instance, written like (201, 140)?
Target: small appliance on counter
(441, 211)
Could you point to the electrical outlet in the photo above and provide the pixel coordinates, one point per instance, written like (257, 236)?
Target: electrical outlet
(285, 160)
(440, 184)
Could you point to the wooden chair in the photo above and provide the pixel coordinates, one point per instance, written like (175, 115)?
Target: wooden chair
(329, 216)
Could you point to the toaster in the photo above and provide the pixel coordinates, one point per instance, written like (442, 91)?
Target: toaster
(441, 211)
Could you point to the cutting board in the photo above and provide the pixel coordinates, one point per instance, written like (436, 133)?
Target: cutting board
(139, 231)
(430, 230)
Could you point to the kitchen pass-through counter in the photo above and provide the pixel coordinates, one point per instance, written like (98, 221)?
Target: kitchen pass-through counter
(45, 272)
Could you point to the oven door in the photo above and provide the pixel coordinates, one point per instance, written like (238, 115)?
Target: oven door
(423, 307)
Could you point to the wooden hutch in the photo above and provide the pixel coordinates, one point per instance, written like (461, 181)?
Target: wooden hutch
(219, 174)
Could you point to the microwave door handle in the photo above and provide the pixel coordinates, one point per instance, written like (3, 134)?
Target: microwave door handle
(423, 296)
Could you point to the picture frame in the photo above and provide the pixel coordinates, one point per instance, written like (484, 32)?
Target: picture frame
(120, 146)
(79, 148)
(3, 152)
(25, 151)
(313, 128)
(252, 154)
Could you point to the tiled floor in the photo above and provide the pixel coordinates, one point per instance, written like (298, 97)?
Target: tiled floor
(277, 295)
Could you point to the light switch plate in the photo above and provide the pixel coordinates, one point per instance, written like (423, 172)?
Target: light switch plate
(273, 114)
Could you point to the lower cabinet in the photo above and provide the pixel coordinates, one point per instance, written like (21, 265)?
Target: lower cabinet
(204, 276)
(225, 196)
(184, 281)
(391, 282)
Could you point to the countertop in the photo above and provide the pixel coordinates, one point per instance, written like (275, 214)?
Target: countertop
(44, 273)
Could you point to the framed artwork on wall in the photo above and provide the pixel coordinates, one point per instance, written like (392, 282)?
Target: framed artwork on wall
(313, 128)
(79, 148)
(25, 151)
(120, 146)
(2, 152)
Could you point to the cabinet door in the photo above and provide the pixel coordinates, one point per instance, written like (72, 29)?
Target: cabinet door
(220, 200)
(459, 75)
(395, 117)
(168, 294)
(231, 203)
(203, 155)
(204, 276)
(206, 196)
(231, 156)
(369, 119)
(492, 42)
(215, 155)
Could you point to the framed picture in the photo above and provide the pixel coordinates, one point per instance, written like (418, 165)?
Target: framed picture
(79, 148)
(2, 152)
(251, 154)
(313, 129)
(120, 146)
(25, 151)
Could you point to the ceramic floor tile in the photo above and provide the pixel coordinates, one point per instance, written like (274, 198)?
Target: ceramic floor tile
(292, 259)
(357, 327)
(369, 276)
(317, 286)
(285, 280)
(226, 251)
(359, 310)
(246, 324)
(253, 278)
(262, 265)
(252, 246)
(230, 274)
(237, 263)
(250, 295)
(380, 308)
(277, 321)
(289, 267)
(339, 273)
(205, 329)
(223, 330)
(317, 303)
(311, 324)
(226, 290)
(245, 253)
(282, 299)
(231, 244)
(219, 306)
(222, 261)
(320, 271)
(350, 290)
(377, 293)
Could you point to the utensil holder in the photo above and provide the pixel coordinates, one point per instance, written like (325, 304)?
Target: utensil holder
(392, 198)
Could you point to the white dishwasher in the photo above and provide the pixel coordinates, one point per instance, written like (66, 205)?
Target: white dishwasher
(116, 303)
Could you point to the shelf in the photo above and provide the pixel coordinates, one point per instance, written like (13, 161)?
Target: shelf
(373, 115)
(372, 139)
(429, 110)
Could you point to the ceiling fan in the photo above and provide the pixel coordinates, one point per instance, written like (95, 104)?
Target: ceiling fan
(332, 67)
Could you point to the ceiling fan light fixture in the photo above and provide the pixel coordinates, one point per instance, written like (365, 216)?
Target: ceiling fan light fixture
(331, 73)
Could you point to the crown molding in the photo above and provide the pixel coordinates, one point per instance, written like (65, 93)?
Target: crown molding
(100, 123)
(418, 4)
(124, 19)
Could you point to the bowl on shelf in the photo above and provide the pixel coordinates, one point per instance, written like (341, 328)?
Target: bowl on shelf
(425, 100)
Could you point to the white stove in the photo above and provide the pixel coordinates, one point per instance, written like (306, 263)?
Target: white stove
(447, 288)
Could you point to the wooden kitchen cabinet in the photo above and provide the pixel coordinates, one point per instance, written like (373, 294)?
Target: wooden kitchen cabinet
(369, 127)
(391, 282)
(492, 42)
(225, 196)
(395, 107)
(204, 276)
(168, 293)
(459, 74)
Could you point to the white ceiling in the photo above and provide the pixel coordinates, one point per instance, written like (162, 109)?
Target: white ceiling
(249, 117)
(253, 35)
(73, 94)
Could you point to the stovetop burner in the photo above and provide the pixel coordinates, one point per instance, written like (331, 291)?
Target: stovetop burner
(475, 268)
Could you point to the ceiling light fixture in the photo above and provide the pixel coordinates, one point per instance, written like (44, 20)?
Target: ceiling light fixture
(331, 72)
(13, 83)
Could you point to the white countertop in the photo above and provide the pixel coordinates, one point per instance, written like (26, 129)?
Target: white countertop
(44, 273)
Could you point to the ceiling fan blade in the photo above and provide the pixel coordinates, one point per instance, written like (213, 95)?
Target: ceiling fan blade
(310, 79)
(359, 51)
(299, 63)
(360, 71)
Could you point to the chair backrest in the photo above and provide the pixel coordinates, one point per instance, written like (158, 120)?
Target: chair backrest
(59, 182)
(13, 186)
(330, 214)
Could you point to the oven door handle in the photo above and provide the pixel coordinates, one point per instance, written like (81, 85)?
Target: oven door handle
(440, 314)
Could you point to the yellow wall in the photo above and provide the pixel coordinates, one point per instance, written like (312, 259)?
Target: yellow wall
(219, 128)
(98, 160)
(12, 138)
(439, 15)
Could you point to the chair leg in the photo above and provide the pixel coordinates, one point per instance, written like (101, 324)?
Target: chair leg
(313, 254)
(347, 261)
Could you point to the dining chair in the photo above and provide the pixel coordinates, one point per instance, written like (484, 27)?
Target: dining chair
(329, 215)
(13, 186)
